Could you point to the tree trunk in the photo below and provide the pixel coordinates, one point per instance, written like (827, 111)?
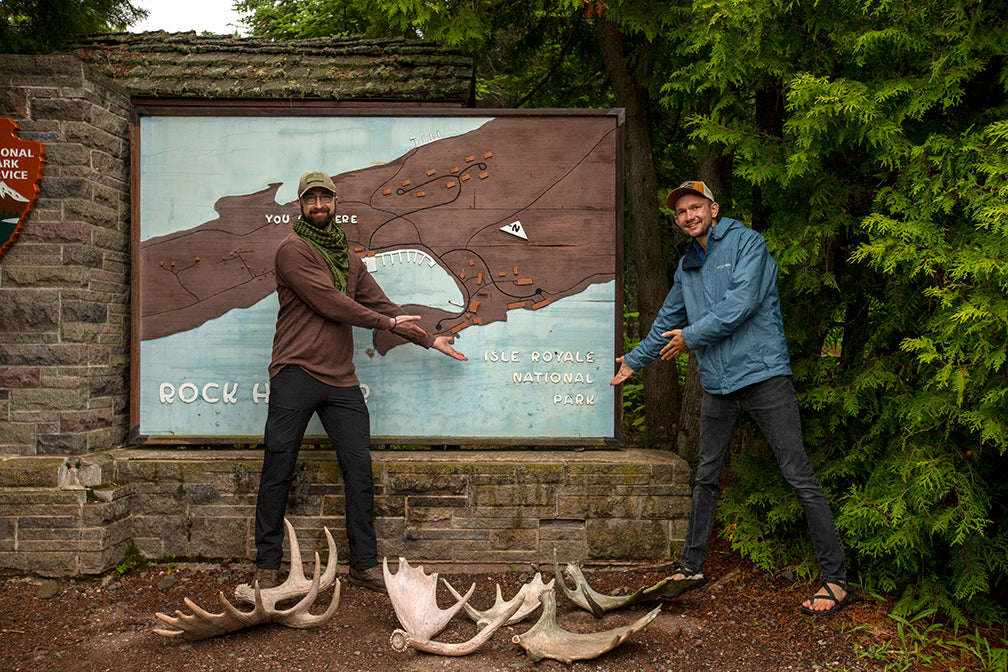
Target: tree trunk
(642, 231)
(713, 169)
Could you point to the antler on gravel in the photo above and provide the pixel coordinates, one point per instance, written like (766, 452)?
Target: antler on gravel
(401, 639)
(413, 597)
(585, 597)
(527, 599)
(546, 639)
(202, 624)
(296, 584)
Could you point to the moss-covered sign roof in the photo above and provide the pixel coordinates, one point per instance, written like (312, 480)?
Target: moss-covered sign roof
(214, 66)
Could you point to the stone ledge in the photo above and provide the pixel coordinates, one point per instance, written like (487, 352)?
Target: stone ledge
(591, 507)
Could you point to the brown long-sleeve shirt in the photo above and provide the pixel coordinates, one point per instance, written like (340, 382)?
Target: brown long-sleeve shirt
(315, 320)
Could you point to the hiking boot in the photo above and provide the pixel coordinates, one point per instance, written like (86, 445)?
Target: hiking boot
(372, 578)
(267, 578)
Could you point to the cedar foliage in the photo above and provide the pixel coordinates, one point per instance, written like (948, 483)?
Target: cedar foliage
(883, 162)
(868, 140)
(43, 26)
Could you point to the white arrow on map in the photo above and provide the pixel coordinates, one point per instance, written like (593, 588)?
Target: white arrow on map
(515, 228)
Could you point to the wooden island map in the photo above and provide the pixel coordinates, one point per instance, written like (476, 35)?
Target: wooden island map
(516, 217)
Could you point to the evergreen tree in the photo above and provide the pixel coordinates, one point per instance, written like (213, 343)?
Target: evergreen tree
(542, 53)
(43, 26)
(869, 141)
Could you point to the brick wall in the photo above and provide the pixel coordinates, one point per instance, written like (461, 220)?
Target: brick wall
(64, 285)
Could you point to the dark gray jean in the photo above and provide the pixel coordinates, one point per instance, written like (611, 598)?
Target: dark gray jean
(772, 404)
(294, 397)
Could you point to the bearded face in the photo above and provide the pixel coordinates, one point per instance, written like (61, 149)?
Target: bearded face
(318, 207)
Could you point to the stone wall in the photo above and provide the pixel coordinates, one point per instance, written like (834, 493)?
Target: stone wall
(72, 497)
(64, 285)
(469, 508)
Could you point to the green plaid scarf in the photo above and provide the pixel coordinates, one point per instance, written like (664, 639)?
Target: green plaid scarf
(333, 246)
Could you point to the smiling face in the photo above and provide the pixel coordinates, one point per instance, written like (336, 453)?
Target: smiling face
(318, 207)
(695, 215)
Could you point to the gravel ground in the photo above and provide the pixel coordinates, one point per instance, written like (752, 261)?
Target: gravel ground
(744, 620)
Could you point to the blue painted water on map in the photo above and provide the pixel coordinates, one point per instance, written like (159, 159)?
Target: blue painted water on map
(213, 381)
(197, 160)
(478, 398)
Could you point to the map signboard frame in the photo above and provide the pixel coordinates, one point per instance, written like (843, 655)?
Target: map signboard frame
(502, 228)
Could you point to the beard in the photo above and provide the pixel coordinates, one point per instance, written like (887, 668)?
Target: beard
(320, 218)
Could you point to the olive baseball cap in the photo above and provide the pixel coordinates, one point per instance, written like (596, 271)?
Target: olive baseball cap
(315, 178)
(690, 187)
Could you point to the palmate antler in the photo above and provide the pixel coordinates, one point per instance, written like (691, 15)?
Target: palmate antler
(296, 584)
(202, 624)
(413, 598)
(527, 599)
(585, 597)
(546, 639)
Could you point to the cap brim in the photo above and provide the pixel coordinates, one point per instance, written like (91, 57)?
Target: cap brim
(676, 193)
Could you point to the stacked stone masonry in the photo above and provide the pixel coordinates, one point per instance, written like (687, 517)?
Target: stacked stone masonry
(64, 285)
(474, 508)
(73, 495)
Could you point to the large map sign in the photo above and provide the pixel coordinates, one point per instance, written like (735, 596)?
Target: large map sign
(501, 229)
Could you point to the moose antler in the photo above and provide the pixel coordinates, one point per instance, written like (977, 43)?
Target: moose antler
(296, 584)
(401, 639)
(546, 639)
(585, 597)
(413, 597)
(202, 624)
(527, 599)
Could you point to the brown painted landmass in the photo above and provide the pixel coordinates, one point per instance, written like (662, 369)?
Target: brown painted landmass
(448, 198)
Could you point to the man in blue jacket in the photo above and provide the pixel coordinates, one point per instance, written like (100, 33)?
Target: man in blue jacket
(724, 306)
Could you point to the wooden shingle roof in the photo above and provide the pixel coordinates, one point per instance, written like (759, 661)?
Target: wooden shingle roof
(160, 64)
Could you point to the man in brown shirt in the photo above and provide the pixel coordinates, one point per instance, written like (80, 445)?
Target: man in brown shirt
(324, 292)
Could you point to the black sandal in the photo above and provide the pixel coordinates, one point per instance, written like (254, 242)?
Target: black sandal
(849, 597)
(695, 579)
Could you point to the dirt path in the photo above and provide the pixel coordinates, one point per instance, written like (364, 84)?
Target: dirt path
(743, 621)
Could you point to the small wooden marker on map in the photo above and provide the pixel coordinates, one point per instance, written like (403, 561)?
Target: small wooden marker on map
(470, 158)
(465, 177)
(453, 170)
(488, 155)
(431, 172)
(523, 281)
(516, 304)
(386, 192)
(420, 194)
(483, 176)
(451, 184)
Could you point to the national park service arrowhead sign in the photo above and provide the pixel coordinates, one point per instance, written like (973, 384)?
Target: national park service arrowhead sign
(20, 171)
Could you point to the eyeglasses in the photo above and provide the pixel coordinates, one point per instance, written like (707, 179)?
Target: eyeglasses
(318, 198)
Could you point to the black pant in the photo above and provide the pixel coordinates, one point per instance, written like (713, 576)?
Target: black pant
(294, 397)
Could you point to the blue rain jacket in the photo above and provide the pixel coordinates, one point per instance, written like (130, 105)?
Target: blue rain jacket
(729, 310)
